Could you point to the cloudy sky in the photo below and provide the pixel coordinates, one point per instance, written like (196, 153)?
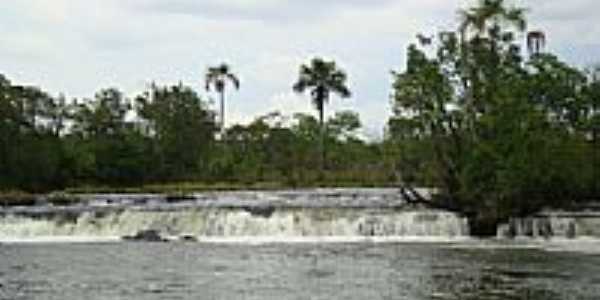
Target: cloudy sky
(79, 46)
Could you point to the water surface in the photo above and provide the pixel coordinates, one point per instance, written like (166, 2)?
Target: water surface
(465, 270)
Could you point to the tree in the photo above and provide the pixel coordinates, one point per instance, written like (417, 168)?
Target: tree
(497, 135)
(181, 126)
(343, 125)
(242, 155)
(322, 78)
(218, 77)
(30, 153)
(102, 116)
(593, 123)
(489, 17)
(103, 146)
(482, 28)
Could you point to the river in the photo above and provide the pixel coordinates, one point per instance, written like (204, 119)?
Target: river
(464, 270)
(318, 244)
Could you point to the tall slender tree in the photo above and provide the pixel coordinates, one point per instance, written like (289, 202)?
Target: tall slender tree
(218, 77)
(322, 78)
(536, 40)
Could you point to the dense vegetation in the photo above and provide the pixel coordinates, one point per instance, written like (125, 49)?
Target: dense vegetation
(169, 134)
(497, 131)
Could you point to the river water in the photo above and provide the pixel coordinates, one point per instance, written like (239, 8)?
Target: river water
(307, 244)
(363, 270)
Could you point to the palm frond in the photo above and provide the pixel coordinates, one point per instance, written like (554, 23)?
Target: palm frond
(234, 80)
(322, 78)
(217, 76)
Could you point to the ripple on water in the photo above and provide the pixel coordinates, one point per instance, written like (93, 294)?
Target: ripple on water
(533, 274)
(319, 273)
(297, 271)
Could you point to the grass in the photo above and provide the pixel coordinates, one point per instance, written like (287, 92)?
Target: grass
(20, 198)
(13, 197)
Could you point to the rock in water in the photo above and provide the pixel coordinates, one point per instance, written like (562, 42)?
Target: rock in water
(188, 238)
(572, 230)
(148, 235)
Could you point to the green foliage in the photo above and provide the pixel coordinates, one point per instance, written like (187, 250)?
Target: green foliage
(180, 126)
(322, 78)
(48, 143)
(167, 135)
(274, 148)
(499, 135)
(30, 152)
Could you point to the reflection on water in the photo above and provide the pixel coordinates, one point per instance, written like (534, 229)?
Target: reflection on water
(296, 271)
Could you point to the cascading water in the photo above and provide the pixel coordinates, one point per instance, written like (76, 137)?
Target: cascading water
(320, 213)
(224, 222)
(561, 225)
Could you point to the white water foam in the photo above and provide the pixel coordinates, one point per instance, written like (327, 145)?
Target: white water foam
(331, 239)
(583, 245)
(60, 239)
(221, 224)
(552, 225)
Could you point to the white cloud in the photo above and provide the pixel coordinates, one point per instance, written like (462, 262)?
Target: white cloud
(281, 11)
(78, 47)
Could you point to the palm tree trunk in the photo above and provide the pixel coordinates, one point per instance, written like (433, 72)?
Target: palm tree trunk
(596, 162)
(322, 141)
(595, 146)
(222, 121)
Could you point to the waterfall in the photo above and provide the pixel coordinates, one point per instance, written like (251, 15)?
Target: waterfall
(230, 222)
(338, 214)
(561, 225)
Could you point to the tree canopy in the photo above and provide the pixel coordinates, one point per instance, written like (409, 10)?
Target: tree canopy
(498, 133)
(167, 134)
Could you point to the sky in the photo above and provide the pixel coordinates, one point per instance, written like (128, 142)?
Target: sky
(77, 47)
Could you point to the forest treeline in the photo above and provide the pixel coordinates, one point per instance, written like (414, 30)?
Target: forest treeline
(482, 113)
(169, 134)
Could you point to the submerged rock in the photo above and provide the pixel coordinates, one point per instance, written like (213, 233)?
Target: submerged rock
(188, 238)
(149, 235)
(261, 211)
(179, 197)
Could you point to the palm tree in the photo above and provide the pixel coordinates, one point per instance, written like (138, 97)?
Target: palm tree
(322, 78)
(218, 77)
